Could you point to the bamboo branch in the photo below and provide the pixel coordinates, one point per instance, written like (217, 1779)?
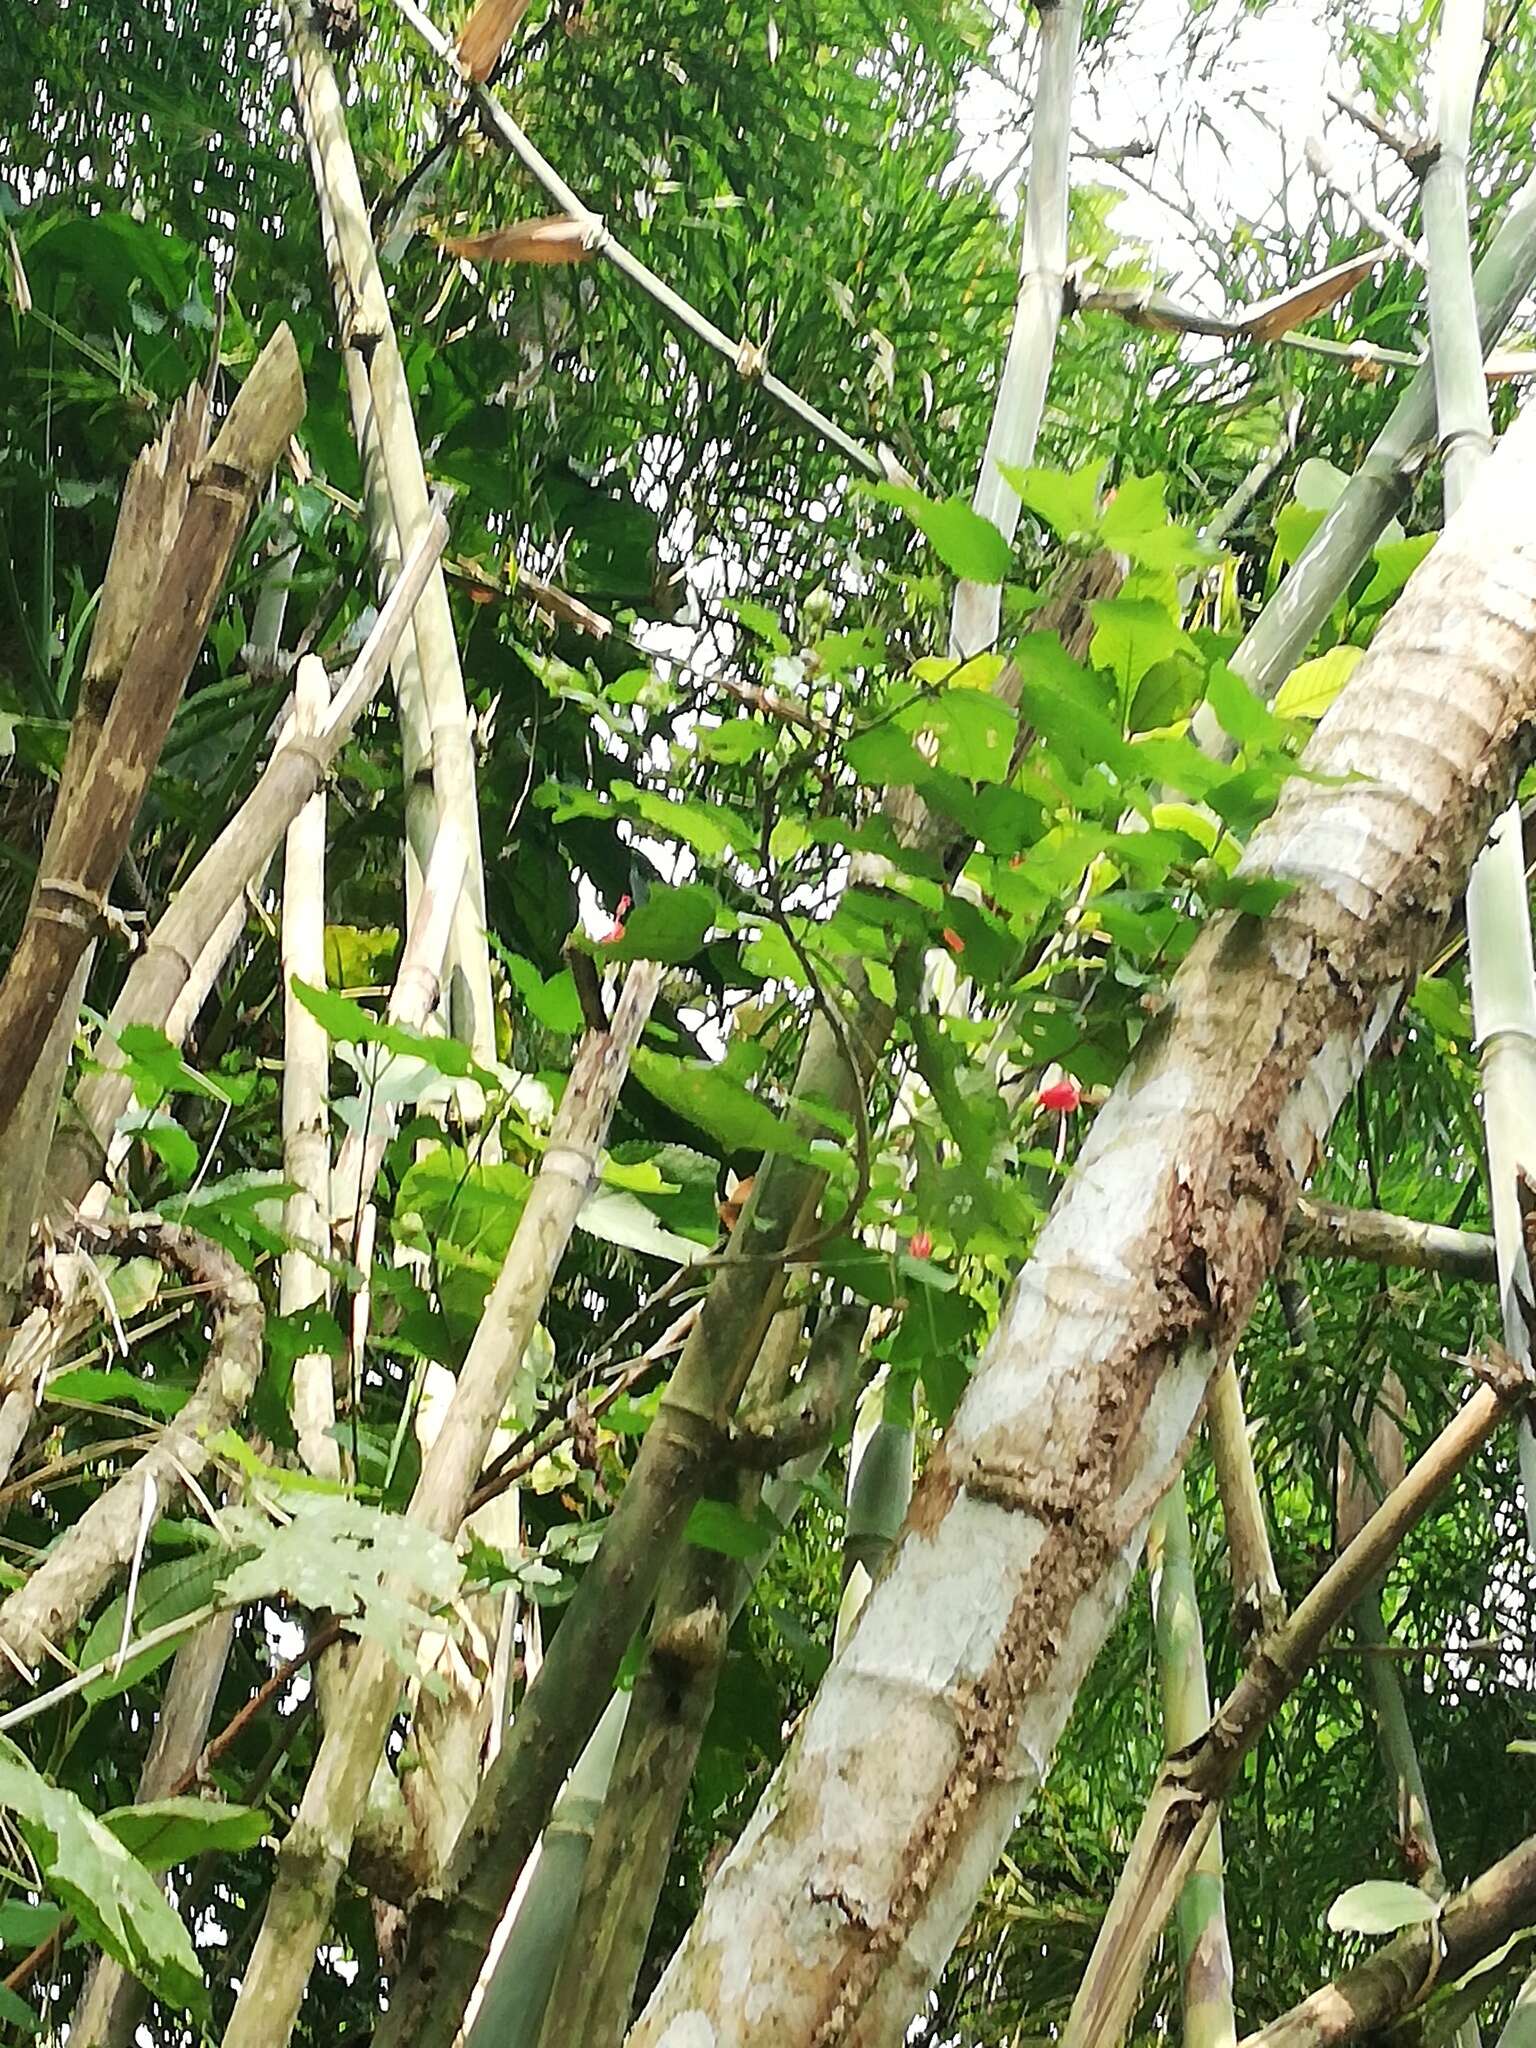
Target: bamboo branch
(87, 1557)
(1329, 1230)
(95, 815)
(237, 857)
(313, 1857)
(1187, 1798)
(1257, 1602)
(746, 359)
(1363, 2000)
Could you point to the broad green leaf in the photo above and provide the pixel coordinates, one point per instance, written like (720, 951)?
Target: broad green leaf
(973, 733)
(1395, 561)
(965, 543)
(157, 1067)
(117, 1903)
(554, 1003)
(165, 1832)
(165, 1593)
(1444, 1008)
(351, 1024)
(115, 1386)
(721, 1525)
(1319, 485)
(1380, 1906)
(1310, 688)
(1130, 634)
(715, 1102)
(1245, 716)
(670, 925)
(1066, 499)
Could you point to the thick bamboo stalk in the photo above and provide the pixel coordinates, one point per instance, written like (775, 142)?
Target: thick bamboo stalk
(303, 1280)
(977, 608)
(90, 1554)
(1032, 1512)
(1205, 1953)
(314, 1855)
(1365, 1999)
(170, 958)
(365, 325)
(741, 354)
(94, 819)
(1186, 1800)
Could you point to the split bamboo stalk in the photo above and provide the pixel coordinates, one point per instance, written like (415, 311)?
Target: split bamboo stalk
(743, 356)
(93, 823)
(237, 857)
(364, 325)
(1186, 1800)
(314, 1855)
(1033, 1510)
(90, 1554)
(149, 517)
(976, 612)
(303, 1280)
(1205, 1952)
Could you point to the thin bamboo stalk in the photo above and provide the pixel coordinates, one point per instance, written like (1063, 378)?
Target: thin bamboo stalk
(1186, 1800)
(171, 957)
(1379, 488)
(303, 1279)
(746, 359)
(365, 326)
(1205, 1953)
(976, 611)
(314, 1855)
(1257, 1601)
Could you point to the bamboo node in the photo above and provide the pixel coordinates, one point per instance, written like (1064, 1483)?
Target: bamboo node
(751, 361)
(572, 1164)
(63, 901)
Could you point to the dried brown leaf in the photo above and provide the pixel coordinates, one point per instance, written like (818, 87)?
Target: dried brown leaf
(557, 239)
(486, 34)
(1271, 318)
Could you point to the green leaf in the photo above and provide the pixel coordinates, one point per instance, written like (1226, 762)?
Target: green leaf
(119, 1906)
(115, 1386)
(713, 1100)
(965, 543)
(973, 732)
(1396, 561)
(24, 1926)
(171, 1144)
(553, 1003)
(1245, 716)
(1380, 1906)
(166, 1592)
(671, 925)
(720, 1525)
(351, 1024)
(1130, 634)
(157, 1067)
(1444, 1008)
(165, 1832)
(1066, 499)
(1309, 689)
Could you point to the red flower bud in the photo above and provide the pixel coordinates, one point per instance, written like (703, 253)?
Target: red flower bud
(1063, 1096)
(953, 940)
(612, 938)
(920, 1244)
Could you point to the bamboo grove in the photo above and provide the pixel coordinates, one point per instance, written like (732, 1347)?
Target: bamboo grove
(767, 1176)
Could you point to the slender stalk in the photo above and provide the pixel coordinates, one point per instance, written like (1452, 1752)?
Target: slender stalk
(177, 947)
(1205, 1953)
(1186, 1800)
(306, 1094)
(977, 607)
(746, 359)
(365, 325)
(314, 1855)
(1379, 488)
(1367, 1998)
(879, 1491)
(1257, 1601)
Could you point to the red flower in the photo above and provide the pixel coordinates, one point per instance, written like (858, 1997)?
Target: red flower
(1063, 1096)
(613, 937)
(953, 940)
(920, 1244)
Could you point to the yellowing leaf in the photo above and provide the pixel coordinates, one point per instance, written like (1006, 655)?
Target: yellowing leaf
(979, 673)
(1308, 690)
